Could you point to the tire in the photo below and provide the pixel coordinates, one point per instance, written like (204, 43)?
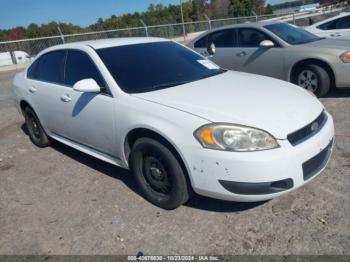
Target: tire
(313, 78)
(36, 132)
(159, 174)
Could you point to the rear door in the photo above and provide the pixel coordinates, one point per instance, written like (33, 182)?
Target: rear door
(250, 57)
(45, 84)
(224, 41)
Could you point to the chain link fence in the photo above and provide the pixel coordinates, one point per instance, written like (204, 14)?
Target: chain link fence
(20, 52)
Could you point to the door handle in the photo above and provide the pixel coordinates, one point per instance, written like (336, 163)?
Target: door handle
(336, 35)
(66, 98)
(32, 89)
(242, 53)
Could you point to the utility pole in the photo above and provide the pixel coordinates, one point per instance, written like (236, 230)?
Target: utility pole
(145, 26)
(59, 30)
(183, 21)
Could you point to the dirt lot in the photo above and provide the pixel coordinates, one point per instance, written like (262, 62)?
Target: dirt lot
(60, 201)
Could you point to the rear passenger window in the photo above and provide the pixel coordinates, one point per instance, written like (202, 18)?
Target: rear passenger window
(79, 66)
(222, 38)
(32, 71)
(49, 67)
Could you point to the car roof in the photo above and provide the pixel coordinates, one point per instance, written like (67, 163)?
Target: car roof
(242, 25)
(105, 43)
(250, 24)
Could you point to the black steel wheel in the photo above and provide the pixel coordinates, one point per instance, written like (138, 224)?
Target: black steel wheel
(36, 132)
(159, 174)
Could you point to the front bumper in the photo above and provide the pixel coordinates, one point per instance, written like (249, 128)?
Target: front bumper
(262, 175)
(342, 76)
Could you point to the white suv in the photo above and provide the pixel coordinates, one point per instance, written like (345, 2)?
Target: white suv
(177, 120)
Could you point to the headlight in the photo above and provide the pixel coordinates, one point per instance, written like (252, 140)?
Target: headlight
(345, 57)
(234, 138)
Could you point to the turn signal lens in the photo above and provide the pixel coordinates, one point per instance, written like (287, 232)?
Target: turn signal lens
(346, 57)
(207, 136)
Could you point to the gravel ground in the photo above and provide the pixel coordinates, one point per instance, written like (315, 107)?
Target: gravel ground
(60, 201)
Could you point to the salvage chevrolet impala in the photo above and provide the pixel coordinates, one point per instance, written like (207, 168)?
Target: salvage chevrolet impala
(182, 124)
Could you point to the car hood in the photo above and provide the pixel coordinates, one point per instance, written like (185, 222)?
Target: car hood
(246, 99)
(329, 43)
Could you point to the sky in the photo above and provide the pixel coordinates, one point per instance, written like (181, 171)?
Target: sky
(80, 12)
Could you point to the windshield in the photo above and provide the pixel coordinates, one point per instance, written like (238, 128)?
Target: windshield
(153, 66)
(292, 35)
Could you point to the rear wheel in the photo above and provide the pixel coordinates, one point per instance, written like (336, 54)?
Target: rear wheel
(36, 132)
(313, 78)
(159, 174)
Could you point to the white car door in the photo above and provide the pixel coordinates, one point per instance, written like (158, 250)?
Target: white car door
(89, 117)
(250, 57)
(337, 28)
(45, 80)
(224, 43)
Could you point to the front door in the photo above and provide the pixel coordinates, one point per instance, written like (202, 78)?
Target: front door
(89, 117)
(251, 58)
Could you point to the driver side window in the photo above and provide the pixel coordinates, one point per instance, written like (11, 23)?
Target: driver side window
(249, 37)
(79, 66)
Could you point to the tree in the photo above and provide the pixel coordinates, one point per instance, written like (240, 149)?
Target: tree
(259, 6)
(219, 8)
(268, 10)
(33, 30)
(17, 33)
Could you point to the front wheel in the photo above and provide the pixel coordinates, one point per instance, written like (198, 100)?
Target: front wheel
(313, 78)
(159, 174)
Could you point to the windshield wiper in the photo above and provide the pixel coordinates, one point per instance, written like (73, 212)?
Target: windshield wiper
(213, 74)
(310, 41)
(166, 85)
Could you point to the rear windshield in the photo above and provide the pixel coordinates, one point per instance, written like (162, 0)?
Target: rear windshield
(153, 66)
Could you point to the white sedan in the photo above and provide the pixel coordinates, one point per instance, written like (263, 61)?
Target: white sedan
(337, 27)
(177, 120)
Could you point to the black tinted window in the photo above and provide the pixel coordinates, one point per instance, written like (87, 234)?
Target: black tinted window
(249, 37)
(328, 26)
(153, 66)
(79, 66)
(33, 70)
(223, 38)
(341, 23)
(344, 23)
(201, 43)
(50, 67)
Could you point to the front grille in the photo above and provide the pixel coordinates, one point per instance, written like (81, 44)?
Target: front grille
(308, 131)
(315, 164)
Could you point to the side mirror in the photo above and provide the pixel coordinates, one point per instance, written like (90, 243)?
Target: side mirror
(211, 48)
(88, 85)
(267, 44)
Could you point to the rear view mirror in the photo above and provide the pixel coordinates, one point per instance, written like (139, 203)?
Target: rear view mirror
(211, 48)
(267, 44)
(88, 85)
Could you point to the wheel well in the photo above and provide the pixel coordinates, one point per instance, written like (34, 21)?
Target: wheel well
(137, 133)
(24, 105)
(320, 63)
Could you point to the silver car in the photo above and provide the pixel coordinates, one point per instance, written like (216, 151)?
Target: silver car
(279, 50)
